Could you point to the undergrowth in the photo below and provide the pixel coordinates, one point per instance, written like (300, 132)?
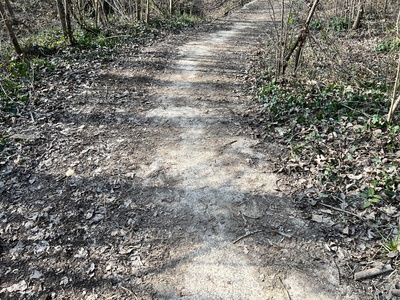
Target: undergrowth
(338, 139)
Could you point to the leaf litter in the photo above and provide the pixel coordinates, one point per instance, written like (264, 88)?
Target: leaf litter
(58, 227)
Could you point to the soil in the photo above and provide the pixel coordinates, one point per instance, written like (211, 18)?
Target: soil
(140, 177)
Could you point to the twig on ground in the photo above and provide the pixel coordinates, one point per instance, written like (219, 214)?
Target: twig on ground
(129, 291)
(354, 110)
(117, 36)
(250, 217)
(284, 287)
(223, 147)
(245, 236)
(339, 274)
(342, 210)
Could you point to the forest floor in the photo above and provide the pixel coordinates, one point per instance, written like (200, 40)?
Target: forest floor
(142, 177)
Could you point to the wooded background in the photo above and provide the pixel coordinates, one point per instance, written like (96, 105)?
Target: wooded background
(24, 18)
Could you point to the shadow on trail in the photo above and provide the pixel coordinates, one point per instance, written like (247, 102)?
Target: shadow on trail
(107, 233)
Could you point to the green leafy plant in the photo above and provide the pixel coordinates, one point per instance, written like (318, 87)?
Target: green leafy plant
(371, 197)
(317, 24)
(339, 23)
(391, 244)
(389, 45)
(11, 93)
(319, 103)
(18, 69)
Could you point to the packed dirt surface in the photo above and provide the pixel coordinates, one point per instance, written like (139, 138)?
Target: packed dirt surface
(145, 181)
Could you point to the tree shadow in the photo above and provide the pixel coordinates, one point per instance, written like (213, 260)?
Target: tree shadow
(104, 233)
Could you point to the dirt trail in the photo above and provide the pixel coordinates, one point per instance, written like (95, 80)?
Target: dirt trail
(224, 182)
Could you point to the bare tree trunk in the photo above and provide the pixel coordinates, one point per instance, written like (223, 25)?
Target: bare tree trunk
(13, 38)
(385, 5)
(171, 7)
(297, 59)
(147, 11)
(65, 19)
(138, 9)
(282, 43)
(68, 22)
(102, 11)
(96, 13)
(360, 13)
(61, 13)
(301, 39)
(395, 102)
(10, 10)
(392, 110)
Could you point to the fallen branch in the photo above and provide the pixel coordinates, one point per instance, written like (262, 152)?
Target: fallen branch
(372, 272)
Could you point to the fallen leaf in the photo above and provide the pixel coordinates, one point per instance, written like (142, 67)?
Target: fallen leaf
(18, 287)
(389, 210)
(69, 173)
(82, 253)
(97, 218)
(36, 274)
(346, 230)
(354, 177)
(41, 246)
(321, 219)
(64, 280)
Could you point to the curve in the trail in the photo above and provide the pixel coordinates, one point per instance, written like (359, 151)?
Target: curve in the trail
(215, 168)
